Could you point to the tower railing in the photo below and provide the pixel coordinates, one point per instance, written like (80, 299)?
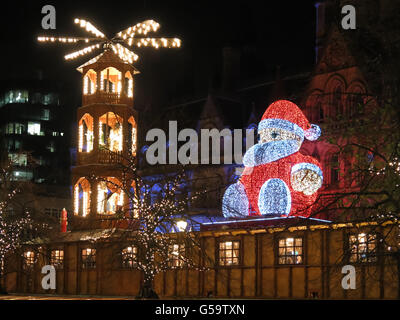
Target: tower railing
(106, 97)
(100, 157)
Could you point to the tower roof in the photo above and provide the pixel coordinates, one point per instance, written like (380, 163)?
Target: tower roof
(106, 57)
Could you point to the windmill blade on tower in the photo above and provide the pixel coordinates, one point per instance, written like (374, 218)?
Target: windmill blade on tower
(118, 44)
(82, 52)
(141, 28)
(86, 25)
(124, 53)
(154, 42)
(66, 39)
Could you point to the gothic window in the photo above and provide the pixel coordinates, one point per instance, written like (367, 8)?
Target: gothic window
(320, 111)
(337, 105)
(314, 108)
(334, 169)
(355, 101)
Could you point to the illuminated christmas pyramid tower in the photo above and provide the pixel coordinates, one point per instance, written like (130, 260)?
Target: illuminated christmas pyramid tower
(107, 137)
(107, 121)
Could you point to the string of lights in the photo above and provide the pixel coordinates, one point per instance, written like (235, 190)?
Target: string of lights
(127, 37)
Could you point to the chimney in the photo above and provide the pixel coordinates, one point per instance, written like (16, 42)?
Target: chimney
(231, 69)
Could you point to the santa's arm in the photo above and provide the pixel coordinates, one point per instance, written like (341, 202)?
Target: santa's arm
(306, 177)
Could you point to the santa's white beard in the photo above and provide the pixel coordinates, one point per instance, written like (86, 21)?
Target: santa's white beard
(262, 153)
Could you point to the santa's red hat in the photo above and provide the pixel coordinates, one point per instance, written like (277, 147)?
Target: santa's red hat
(286, 115)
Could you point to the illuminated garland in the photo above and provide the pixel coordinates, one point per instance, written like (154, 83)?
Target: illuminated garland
(119, 42)
(277, 179)
(11, 228)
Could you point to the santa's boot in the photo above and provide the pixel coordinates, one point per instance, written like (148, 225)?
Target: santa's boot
(274, 198)
(235, 203)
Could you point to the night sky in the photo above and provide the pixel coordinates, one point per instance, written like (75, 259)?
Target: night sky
(267, 33)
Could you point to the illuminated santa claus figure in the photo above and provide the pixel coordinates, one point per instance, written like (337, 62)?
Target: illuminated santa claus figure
(277, 180)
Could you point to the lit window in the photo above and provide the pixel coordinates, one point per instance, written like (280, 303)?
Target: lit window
(18, 159)
(33, 128)
(22, 175)
(9, 128)
(363, 247)
(88, 258)
(110, 132)
(229, 253)
(176, 254)
(57, 258)
(16, 96)
(85, 143)
(89, 82)
(55, 133)
(111, 80)
(45, 114)
(50, 98)
(290, 251)
(14, 128)
(109, 196)
(129, 256)
(29, 259)
(81, 197)
(51, 147)
(19, 128)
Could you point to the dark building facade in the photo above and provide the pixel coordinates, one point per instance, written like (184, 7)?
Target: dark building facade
(35, 140)
(34, 131)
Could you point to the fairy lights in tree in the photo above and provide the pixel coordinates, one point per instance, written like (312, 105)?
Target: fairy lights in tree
(109, 196)
(134, 36)
(277, 180)
(12, 225)
(158, 227)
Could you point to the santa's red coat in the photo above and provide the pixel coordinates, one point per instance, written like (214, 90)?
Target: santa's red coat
(254, 177)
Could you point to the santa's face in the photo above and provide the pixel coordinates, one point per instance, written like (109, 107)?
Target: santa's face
(274, 144)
